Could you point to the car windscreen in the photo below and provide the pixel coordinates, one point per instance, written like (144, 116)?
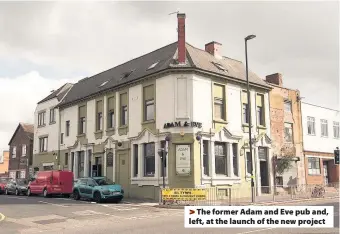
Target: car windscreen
(104, 181)
(22, 182)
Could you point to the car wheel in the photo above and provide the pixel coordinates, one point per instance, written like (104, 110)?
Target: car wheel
(97, 198)
(76, 195)
(28, 193)
(17, 192)
(45, 193)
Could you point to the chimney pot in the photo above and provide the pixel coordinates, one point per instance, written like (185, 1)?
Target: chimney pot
(275, 79)
(181, 38)
(214, 48)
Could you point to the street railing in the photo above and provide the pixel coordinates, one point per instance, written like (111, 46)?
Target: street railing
(243, 195)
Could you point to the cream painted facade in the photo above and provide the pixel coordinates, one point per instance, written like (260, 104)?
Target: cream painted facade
(178, 97)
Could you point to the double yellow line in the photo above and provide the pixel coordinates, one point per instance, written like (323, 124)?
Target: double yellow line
(2, 217)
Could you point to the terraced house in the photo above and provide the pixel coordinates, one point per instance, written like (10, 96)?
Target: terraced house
(189, 101)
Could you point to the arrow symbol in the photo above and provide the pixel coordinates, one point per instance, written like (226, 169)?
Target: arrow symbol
(191, 211)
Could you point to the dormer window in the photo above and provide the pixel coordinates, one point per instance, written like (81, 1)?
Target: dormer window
(153, 65)
(220, 67)
(104, 83)
(126, 74)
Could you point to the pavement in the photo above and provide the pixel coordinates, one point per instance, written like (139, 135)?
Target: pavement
(36, 214)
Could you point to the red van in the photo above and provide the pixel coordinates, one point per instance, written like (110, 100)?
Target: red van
(51, 182)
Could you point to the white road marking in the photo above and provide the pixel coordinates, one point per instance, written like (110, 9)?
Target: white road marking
(2, 217)
(53, 204)
(20, 198)
(257, 230)
(88, 212)
(119, 207)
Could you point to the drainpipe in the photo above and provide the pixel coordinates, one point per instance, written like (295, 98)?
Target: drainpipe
(59, 136)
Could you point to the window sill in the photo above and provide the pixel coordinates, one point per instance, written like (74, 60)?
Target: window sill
(110, 129)
(81, 135)
(98, 131)
(148, 121)
(123, 127)
(52, 122)
(324, 136)
(261, 127)
(311, 134)
(41, 126)
(314, 174)
(221, 180)
(221, 121)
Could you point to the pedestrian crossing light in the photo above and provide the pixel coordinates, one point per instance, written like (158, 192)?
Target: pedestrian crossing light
(336, 156)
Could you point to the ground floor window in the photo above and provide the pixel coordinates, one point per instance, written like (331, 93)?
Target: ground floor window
(314, 166)
(220, 158)
(149, 159)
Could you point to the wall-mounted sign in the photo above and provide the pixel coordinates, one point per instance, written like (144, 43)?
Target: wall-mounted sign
(109, 160)
(183, 159)
(183, 124)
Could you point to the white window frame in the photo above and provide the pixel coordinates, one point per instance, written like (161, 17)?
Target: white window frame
(149, 103)
(44, 142)
(23, 150)
(14, 152)
(52, 115)
(324, 126)
(288, 103)
(41, 118)
(22, 174)
(311, 121)
(311, 170)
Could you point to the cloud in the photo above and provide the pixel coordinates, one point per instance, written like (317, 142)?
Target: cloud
(18, 100)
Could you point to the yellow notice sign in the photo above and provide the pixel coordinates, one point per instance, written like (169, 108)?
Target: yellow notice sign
(182, 194)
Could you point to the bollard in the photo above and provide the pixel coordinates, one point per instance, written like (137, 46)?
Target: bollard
(229, 196)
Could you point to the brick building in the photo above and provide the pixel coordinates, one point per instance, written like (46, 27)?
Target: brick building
(21, 151)
(286, 129)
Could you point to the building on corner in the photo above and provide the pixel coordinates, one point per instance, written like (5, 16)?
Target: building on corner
(190, 101)
(320, 139)
(47, 131)
(286, 130)
(21, 151)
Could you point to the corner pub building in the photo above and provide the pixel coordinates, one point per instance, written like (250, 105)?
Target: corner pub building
(191, 102)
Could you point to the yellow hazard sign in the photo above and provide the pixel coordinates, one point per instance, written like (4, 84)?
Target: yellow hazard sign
(183, 194)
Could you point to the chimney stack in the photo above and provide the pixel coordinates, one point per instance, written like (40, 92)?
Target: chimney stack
(214, 48)
(275, 79)
(181, 38)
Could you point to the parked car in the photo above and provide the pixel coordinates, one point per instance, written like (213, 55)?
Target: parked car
(17, 187)
(98, 189)
(51, 183)
(3, 183)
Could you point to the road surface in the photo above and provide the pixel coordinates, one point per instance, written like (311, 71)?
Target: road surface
(26, 215)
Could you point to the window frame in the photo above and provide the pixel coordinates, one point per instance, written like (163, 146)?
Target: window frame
(324, 122)
(292, 132)
(43, 144)
(314, 161)
(99, 123)
(111, 119)
(67, 128)
(61, 138)
(14, 152)
(52, 115)
(23, 152)
(251, 169)
(260, 111)
(82, 125)
(220, 103)
(311, 123)
(245, 113)
(149, 103)
(135, 168)
(42, 119)
(235, 159)
(290, 106)
(124, 117)
(145, 159)
(225, 156)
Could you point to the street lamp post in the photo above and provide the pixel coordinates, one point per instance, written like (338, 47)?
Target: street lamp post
(249, 116)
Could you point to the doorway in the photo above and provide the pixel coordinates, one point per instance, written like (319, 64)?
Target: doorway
(325, 172)
(263, 158)
(123, 172)
(97, 167)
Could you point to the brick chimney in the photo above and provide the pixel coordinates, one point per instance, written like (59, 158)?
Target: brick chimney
(275, 79)
(214, 48)
(181, 38)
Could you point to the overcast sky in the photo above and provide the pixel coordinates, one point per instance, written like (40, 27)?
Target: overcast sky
(45, 44)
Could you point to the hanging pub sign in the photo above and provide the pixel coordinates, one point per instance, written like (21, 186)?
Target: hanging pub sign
(183, 124)
(183, 159)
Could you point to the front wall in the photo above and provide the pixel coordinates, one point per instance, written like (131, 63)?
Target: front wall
(317, 143)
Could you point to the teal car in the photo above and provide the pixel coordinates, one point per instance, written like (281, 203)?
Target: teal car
(98, 189)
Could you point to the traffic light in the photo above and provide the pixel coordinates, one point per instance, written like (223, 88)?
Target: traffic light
(336, 156)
